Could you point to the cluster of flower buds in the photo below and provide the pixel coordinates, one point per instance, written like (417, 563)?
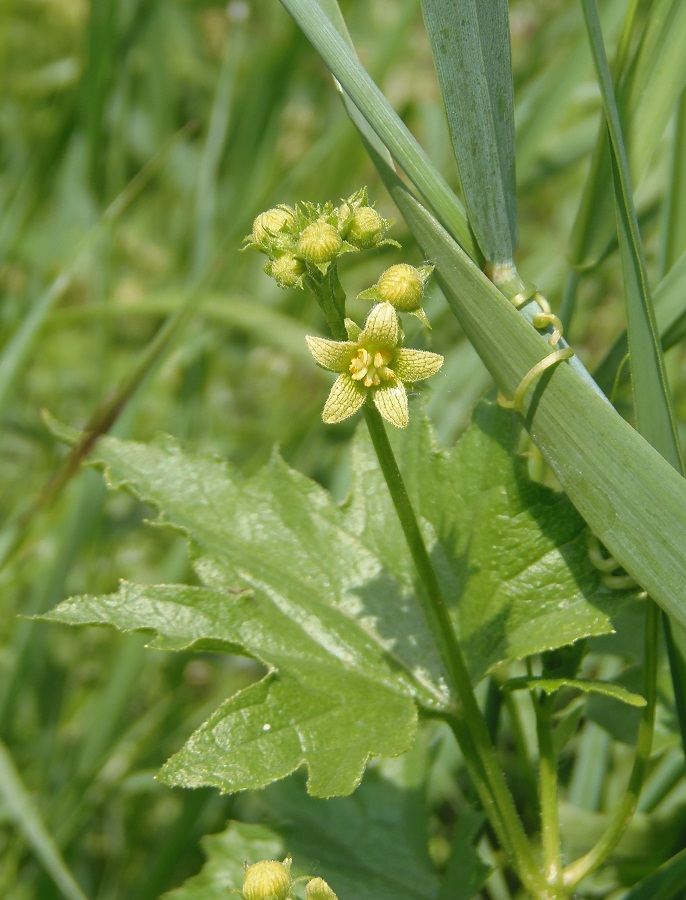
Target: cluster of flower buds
(271, 880)
(306, 239)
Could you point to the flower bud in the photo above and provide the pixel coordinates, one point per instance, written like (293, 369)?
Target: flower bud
(319, 243)
(270, 222)
(286, 270)
(402, 286)
(267, 880)
(318, 889)
(366, 228)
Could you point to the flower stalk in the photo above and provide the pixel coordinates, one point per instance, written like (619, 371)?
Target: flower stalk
(372, 366)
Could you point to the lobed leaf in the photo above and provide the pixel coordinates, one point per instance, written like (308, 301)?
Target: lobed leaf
(324, 596)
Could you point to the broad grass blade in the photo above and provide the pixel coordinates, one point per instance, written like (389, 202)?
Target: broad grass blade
(470, 40)
(649, 85)
(634, 501)
(374, 107)
(654, 413)
(652, 401)
(673, 241)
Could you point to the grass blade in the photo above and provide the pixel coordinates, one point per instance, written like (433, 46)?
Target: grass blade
(385, 122)
(670, 312)
(649, 85)
(22, 810)
(652, 401)
(654, 413)
(470, 41)
(673, 241)
(665, 883)
(624, 489)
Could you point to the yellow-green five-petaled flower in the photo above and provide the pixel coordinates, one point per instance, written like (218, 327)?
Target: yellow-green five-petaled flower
(372, 362)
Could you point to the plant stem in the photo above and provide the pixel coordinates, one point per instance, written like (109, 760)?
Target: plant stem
(468, 723)
(583, 866)
(466, 720)
(325, 293)
(550, 825)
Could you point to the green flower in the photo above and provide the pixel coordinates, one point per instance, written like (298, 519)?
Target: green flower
(269, 223)
(372, 363)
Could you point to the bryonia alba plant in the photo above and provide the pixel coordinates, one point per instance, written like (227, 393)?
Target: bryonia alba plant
(444, 568)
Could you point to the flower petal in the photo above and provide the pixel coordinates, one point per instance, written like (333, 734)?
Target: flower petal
(332, 355)
(391, 401)
(381, 328)
(415, 365)
(346, 397)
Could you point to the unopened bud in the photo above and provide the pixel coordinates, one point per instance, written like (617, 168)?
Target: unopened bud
(319, 243)
(318, 889)
(268, 880)
(271, 222)
(366, 228)
(402, 286)
(286, 270)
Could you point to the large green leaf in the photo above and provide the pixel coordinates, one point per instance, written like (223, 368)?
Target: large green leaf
(510, 553)
(325, 596)
(470, 40)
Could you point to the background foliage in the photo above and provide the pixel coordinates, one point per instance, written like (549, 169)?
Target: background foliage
(139, 140)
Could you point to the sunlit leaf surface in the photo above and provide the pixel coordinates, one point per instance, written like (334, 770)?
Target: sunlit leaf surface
(324, 595)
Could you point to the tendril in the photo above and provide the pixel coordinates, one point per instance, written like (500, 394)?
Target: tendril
(541, 320)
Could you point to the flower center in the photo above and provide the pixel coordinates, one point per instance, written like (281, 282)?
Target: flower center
(371, 367)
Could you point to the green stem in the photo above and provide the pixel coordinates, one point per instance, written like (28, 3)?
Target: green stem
(325, 292)
(550, 825)
(582, 867)
(468, 723)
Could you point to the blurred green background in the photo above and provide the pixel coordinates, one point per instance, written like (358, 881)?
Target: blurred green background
(138, 141)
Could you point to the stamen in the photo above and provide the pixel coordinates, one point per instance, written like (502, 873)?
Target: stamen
(359, 365)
